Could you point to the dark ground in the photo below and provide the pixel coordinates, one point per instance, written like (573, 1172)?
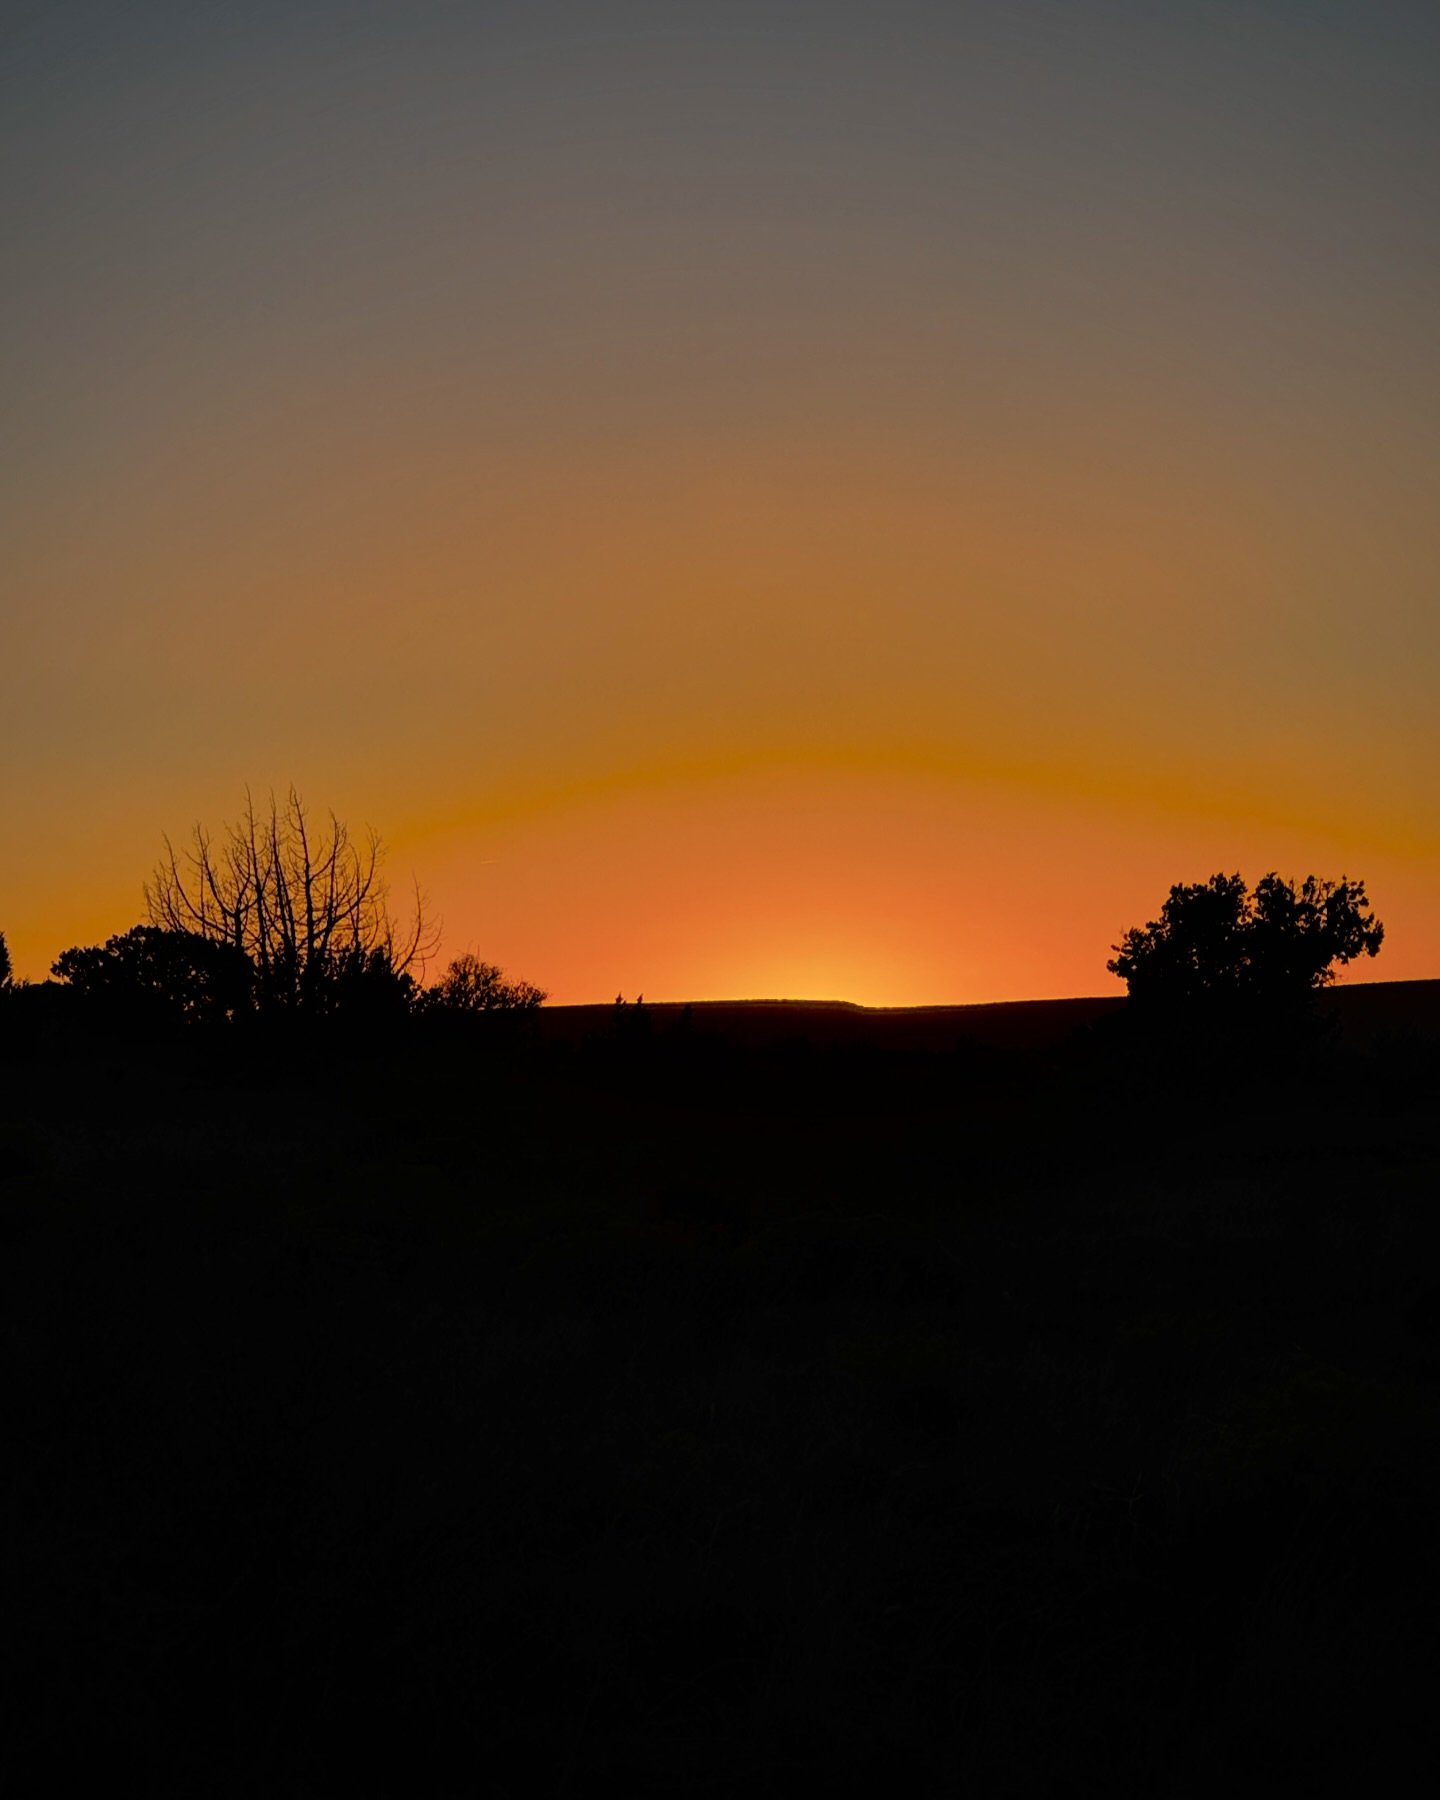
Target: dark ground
(742, 1402)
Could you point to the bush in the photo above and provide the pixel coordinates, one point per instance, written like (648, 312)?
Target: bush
(472, 986)
(151, 975)
(1216, 943)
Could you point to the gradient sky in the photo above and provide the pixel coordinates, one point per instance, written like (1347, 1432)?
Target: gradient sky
(748, 499)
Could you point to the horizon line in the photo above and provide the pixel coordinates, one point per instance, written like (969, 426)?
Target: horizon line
(921, 1006)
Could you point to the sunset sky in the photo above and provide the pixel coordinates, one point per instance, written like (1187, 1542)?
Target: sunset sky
(807, 498)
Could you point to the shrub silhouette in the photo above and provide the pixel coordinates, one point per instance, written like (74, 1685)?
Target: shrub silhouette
(472, 986)
(1217, 943)
(306, 904)
(364, 985)
(152, 975)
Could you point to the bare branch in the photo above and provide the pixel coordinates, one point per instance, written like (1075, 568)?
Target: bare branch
(304, 906)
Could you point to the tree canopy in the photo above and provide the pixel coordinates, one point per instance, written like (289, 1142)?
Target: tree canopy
(472, 986)
(149, 973)
(1215, 941)
(304, 902)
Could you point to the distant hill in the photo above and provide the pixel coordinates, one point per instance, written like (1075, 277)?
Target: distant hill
(1367, 1012)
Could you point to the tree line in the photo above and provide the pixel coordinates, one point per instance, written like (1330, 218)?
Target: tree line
(284, 916)
(280, 915)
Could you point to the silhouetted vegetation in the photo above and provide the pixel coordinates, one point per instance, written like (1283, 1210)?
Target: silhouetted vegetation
(148, 977)
(4, 962)
(277, 920)
(472, 986)
(305, 904)
(147, 974)
(1216, 944)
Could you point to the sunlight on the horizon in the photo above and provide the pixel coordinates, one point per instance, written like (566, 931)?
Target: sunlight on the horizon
(863, 978)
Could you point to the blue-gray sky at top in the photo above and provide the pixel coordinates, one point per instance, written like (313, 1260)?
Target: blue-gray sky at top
(182, 169)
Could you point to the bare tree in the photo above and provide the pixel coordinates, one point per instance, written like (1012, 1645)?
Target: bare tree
(308, 906)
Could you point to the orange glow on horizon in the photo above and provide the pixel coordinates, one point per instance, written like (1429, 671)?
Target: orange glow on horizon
(875, 889)
(880, 886)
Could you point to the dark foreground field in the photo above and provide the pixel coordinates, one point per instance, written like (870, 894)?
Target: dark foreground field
(741, 1401)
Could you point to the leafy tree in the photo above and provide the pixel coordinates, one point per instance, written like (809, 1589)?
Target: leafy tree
(152, 974)
(1215, 942)
(366, 985)
(306, 904)
(472, 986)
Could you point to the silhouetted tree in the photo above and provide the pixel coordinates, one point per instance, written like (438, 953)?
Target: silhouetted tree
(149, 974)
(366, 985)
(4, 962)
(631, 1024)
(1215, 942)
(307, 906)
(472, 986)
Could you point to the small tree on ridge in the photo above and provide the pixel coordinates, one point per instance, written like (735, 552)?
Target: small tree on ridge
(1217, 942)
(472, 986)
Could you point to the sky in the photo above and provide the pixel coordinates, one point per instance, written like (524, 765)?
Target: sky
(805, 498)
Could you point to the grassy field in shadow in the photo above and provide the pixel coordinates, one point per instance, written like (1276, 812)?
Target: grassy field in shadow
(723, 1400)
